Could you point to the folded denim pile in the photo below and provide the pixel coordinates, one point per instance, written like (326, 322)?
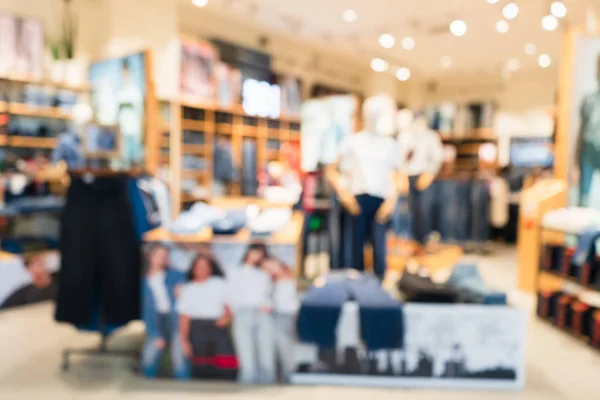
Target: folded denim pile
(381, 318)
(580, 263)
(33, 204)
(465, 285)
(577, 313)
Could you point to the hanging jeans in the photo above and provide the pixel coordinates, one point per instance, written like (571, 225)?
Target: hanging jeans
(589, 162)
(362, 225)
(100, 254)
(402, 219)
(422, 208)
(480, 211)
(454, 196)
(253, 336)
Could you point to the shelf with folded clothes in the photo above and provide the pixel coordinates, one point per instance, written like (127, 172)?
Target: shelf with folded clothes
(33, 142)
(197, 149)
(23, 80)
(36, 111)
(572, 313)
(568, 280)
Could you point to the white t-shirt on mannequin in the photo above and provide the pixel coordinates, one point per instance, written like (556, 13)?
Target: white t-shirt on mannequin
(371, 161)
(420, 152)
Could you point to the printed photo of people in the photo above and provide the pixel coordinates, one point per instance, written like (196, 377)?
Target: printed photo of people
(101, 140)
(21, 46)
(30, 281)
(221, 311)
(584, 123)
(118, 98)
(198, 65)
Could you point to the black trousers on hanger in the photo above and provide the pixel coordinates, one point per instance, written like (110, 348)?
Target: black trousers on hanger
(100, 254)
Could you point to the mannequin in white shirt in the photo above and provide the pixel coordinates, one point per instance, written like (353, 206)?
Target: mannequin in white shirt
(420, 157)
(371, 195)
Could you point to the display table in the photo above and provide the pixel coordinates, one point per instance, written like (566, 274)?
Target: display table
(445, 346)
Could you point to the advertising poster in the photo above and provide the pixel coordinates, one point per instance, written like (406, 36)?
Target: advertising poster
(118, 98)
(219, 311)
(445, 346)
(21, 47)
(28, 281)
(198, 71)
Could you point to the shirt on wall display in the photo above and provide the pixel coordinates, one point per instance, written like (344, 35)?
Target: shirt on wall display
(198, 63)
(291, 95)
(229, 84)
(325, 124)
(221, 310)
(118, 99)
(21, 46)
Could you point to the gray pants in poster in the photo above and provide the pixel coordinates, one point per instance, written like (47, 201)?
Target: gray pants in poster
(284, 343)
(253, 336)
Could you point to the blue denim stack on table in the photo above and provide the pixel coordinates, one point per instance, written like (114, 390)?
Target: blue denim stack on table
(467, 278)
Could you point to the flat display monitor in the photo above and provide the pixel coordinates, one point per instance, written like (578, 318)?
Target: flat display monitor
(528, 152)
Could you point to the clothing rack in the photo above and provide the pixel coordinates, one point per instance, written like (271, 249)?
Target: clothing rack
(101, 349)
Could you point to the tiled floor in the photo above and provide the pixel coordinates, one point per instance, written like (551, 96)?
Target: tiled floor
(558, 367)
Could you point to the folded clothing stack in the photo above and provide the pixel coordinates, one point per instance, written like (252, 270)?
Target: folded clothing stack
(571, 220)
(270, 220)
(579, 314)
(465, 285)
(199, 216)
(230, 223)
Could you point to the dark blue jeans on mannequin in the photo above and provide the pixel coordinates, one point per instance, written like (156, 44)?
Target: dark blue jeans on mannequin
(364, 225)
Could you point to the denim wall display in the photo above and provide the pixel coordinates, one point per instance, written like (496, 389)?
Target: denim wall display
(457, 209)
(443, 346)
(219, 310)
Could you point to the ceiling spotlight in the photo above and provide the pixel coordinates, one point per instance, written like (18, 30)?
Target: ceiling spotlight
(200, 3)
(513, 65)
(530, 49)
(446, 61)
(408, 43)
(544, 60)
(403, 74)
(549, 22)
(502, 26)
(458, 27)
(558, 9)
(510, 11)
(379, 65)
(350, 16)
(387, 41)
(492, 1)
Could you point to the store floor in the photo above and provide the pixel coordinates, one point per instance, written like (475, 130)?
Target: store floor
(558, 367)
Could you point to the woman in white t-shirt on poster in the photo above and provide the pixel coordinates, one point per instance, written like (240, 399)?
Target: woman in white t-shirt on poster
(249, 296)
(285, 303)
(204, 317)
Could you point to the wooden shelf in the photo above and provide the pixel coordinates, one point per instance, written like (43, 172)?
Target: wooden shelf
(35, 111)
(189, 198)
(192, 173)
(46, 82)
(29, 142)
(225, 128)
(194, 149)
(193, 125)
(570, 280)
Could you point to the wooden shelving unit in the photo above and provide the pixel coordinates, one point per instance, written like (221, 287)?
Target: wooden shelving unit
(206, 124)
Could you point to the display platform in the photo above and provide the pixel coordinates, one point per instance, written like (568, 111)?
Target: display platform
(445, 346)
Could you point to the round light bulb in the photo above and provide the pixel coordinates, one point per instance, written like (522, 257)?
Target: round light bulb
(446, 61)
(408, 43)
(379, 65)
(558, 9)
(492, 1)
(502, 26)
(200, 3)
(403, 74)
(549, 22)
(350, 16)
(387, 41)
(510, 11)
(458, 27)
(544, 60)
(530, 49)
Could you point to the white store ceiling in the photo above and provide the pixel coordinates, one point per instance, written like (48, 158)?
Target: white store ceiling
(482, 49)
